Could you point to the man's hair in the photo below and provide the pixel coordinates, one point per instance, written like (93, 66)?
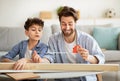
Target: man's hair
(68, 11)
(33, 21)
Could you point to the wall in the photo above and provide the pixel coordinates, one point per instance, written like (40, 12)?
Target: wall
(15, 12)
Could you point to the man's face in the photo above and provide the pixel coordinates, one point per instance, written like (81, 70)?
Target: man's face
(67, 25)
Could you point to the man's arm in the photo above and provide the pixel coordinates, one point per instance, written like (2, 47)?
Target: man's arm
(45, 60)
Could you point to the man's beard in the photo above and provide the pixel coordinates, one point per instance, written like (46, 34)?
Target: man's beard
(67, 33)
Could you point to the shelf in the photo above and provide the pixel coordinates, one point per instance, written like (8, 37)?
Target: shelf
(89, 21)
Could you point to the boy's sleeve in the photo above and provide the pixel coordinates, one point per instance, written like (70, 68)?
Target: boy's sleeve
(12, 53)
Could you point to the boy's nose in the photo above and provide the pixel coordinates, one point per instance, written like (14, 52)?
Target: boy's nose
(37, 31)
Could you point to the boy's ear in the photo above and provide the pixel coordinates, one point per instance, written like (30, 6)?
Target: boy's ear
(26, 32)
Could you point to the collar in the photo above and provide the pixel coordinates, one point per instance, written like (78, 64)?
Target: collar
(39, 44)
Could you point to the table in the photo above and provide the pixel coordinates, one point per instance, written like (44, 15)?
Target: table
(51, 71)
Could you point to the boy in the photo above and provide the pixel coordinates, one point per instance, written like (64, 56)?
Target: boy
(31, 50)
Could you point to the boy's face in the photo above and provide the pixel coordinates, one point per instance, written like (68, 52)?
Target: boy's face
(34, 32)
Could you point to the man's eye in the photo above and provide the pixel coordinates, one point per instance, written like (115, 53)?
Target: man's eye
(63, 24)
(70, 24)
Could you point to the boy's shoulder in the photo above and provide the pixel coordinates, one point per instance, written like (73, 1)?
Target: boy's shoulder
(23, 42)
(41, 44)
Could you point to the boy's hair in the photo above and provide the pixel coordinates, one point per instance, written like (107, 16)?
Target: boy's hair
(32, 21)
(68, 11)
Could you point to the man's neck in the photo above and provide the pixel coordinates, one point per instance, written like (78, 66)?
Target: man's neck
(71, 38)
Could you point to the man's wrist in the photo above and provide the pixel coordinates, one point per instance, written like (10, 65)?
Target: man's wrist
(89, 58)
(92, 59)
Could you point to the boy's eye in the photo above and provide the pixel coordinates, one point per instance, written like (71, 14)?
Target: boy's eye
(33, 29)
(39, 30)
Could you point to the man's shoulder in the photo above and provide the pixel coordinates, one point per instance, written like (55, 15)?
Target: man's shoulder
(56, 35)
(84, 35)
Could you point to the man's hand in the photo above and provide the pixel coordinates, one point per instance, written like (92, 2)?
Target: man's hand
(85, 55)
(83, 52)
(36, 58)
(20, 64)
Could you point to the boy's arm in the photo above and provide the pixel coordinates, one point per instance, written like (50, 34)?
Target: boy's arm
(6, 60)
(11, 54)
(9, 60)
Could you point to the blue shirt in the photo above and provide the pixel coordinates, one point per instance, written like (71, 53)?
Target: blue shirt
(20, 49)
(57, 44)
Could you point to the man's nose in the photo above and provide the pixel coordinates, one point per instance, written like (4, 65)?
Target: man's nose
(67, 27)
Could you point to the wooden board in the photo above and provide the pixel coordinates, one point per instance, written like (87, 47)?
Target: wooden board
(22, 76)
(59, 75)
(64, 67)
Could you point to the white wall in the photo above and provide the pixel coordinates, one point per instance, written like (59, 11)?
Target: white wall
(15, 12)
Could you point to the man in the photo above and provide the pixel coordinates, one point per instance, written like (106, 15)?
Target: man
(88, 51)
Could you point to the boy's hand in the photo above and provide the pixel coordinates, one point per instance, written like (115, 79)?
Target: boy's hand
(20, 64)
(36, 58)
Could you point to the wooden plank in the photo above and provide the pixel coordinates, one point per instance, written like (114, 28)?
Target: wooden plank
(64, 67)
(59, 75)
(22, 76)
